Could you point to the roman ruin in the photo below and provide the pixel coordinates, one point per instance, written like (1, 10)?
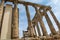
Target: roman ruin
(9, 22)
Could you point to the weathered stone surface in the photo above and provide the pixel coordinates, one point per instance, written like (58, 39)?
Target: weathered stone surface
(41, 22)
(15, 23)
(12, 32)
(30, 28)
(6, 25)
(53, 31)
(55, 19)
(1, 14)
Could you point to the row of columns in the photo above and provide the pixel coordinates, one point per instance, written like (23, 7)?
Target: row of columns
(55, 19)
(41, 22)
(30, 28)
(35, 25)
(49, 23)
(8, 27)
(10, 23)
(38, 18)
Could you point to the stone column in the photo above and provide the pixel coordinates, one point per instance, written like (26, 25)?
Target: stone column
(1, 14)
(6, 25)
(49, 23)
(34, 28)
(41, 22)
(38, 29)
(15, 23)
(35, 31)
(29, 21)
(36, 24)
(1, 11)
(55, 19)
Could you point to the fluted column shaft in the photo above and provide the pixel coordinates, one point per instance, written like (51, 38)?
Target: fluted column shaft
(34, 24)
(30, 28)
(55, 19)
(15, 23)
(49, 23)
(1, 11)
(1, 14)
(28, 15)
(34, 28)
(35, 31)
(38, 29)
(37, 26)
(6, 25)
(41, 22)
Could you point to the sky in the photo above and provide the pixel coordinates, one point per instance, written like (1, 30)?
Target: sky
(55, 4)
(23, 24)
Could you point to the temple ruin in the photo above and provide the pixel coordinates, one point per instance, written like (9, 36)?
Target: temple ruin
(9, 22)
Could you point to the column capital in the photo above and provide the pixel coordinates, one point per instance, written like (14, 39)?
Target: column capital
(47, 8)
